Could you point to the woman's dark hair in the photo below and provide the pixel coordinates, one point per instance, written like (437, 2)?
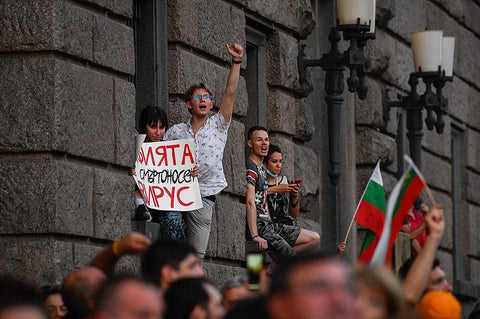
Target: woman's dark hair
(271, 149)
(46, 291)
(151, 115)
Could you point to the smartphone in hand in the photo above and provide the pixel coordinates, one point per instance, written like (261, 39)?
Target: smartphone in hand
(297, 181)
(254, 267)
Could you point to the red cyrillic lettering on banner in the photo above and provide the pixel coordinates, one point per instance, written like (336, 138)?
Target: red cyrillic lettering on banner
(163, 156)
(144, 160)
(187, 153)
(141, 187)
(181, 189)
(172, 148)
(171, 195)
(156, 195)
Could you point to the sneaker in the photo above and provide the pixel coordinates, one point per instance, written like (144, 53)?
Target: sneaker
(141, 213)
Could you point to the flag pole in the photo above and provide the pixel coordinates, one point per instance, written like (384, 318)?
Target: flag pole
(429, 194)
(351, 222)
(349, 228)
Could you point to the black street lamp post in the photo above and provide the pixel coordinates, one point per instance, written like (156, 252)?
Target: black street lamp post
(431, 101)
(334, 63)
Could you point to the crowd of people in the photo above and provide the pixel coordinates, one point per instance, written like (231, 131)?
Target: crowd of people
(172, 283)
(300, 282)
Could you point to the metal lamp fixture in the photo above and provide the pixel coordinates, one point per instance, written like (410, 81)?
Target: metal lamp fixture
(433, 61)
(356, 19)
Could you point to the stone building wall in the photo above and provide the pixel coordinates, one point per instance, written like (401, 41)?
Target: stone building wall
(67, 117)
(68, 112)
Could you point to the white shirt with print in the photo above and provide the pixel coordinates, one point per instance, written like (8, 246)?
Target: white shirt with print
(210, 143)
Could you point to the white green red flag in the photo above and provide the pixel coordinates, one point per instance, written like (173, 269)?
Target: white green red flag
(368, 247)
(370, 213)
(401, 200)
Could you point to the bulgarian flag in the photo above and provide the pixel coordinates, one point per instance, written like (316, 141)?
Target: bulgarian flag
(401, 200)
(368, 247)
(370, 213)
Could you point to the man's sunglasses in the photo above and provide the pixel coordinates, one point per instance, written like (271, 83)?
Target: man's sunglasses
(205, 97)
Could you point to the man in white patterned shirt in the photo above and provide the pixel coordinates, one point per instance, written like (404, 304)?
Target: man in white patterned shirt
(210, 136)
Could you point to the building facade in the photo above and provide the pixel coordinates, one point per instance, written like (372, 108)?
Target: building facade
(76, 73)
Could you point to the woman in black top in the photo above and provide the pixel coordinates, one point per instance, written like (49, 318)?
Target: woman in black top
(282, 193)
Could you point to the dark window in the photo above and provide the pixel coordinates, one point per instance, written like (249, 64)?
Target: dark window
(151, 52)
(256, 78)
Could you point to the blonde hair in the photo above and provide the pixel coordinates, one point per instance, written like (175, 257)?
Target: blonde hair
(379, 277)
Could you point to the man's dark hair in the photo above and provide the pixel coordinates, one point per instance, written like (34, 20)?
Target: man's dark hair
(161, 253)
(252, 308)
(233, 282)
(255, 128)
(46, 291)
(403, 271)
(281, 274)
(14, 292)
(271, 149)
(151, 115)
(196, 86)
(183, 295)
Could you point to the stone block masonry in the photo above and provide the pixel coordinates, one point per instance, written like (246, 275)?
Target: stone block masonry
(67, 136)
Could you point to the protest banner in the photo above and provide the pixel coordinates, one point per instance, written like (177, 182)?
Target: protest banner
(163, 175)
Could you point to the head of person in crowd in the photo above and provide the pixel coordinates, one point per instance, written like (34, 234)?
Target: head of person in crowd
(379, 294)
(308, 285)
(437, 279)
(166, 261)
(258, 141)
(127, 297)
(193, 298)
(19, 300)
(80, 289)
(199, 99)
(235, 289)
(439, 305)
(154, 123)
(252, 308)
(52, 299)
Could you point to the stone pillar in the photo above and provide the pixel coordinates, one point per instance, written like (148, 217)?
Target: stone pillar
(66, 133)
